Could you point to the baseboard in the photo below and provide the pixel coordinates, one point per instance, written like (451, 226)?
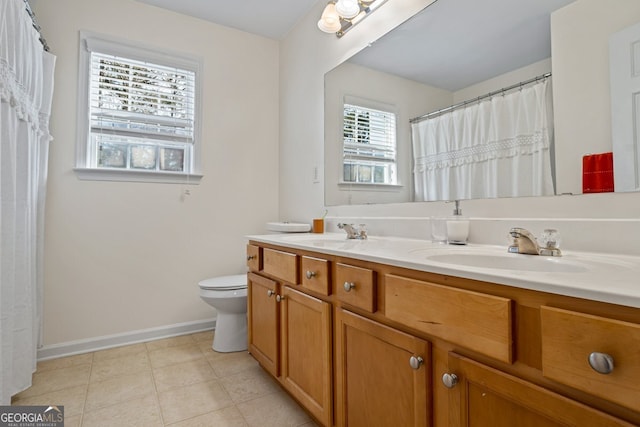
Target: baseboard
(117, 340)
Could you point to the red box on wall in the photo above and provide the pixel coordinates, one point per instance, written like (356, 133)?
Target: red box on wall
(597, 173)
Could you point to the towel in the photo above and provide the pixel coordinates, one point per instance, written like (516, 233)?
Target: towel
(597, 173)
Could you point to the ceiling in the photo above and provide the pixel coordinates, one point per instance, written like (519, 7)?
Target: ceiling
(453, 44)
(272, 19)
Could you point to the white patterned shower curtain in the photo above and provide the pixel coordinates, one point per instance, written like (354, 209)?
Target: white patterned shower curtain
(26, 89)
(499, 147)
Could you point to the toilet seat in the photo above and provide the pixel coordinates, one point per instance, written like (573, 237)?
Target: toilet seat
(225, 283)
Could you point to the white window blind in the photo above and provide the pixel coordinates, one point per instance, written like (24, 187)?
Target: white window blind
(369, 152)
(141, 114)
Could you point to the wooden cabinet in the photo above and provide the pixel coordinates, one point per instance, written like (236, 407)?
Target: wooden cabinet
(479, 321)
(283, 265)
(315, 275)
(363, 344)
(356, 286)
(573, 341)
(290, 332)
(254, 260)
(486, 397)
(383, 375)
(263, 314)
(306, 352)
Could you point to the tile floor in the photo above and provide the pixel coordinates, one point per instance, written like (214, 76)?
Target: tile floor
(176, 382)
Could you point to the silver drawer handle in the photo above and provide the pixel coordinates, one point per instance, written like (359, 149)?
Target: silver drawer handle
(449, 380)
(270, 293)
(415, 362)
(250, 257)
(348, 286)
(311, 274)
(601, 362)
(279, 298)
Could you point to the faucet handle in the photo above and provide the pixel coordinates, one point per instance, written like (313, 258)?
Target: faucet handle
(550, 238)
(362, 231)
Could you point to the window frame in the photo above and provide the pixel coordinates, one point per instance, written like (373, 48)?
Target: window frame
(371, 105)
(88, 42)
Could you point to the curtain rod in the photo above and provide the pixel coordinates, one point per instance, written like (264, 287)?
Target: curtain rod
(32, 15)
(479, 98)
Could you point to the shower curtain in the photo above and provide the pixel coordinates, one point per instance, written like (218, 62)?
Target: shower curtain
(499, 147)
(26, 89)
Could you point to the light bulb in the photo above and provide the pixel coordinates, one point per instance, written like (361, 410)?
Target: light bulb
(330, 21)
(348, 8)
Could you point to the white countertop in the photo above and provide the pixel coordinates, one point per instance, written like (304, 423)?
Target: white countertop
(600, 277)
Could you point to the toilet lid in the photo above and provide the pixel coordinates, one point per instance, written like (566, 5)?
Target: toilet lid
(225, 283)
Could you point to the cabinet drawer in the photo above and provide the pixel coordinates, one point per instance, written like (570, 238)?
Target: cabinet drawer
(315, 274)
(356, 286)
(253, 257)
(282, 265)
(568, 340)
(473, 320)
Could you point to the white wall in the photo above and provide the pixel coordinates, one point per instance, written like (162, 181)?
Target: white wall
(407, 98)
(507, 79)
(121, 257)
(306, 54)
(581, 79)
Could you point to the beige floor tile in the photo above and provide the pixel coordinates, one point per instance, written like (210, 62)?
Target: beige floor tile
(203, 336)
(127, 350)
(143, 412)
(187, 402)
(105, 369)
(57, 379)
(119, 389)
(75, 421)
(227, 417)
(172, 355)
(71, 398)
(65, 362)
(182, 374)
(249, 384)
(206, 347)
(170, 342)
(225, 364)
(273, 410)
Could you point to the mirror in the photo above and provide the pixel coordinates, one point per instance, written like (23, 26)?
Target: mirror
(429, 63)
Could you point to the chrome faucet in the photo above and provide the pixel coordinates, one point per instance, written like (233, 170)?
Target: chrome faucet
(524, 242)
(354, 232)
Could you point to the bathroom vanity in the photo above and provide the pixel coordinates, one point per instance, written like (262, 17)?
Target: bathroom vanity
(403, 332)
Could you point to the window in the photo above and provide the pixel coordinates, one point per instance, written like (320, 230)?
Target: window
(369, 151)
(141, 117)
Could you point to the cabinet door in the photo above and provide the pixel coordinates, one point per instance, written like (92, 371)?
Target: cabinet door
(486, 397)
(264, 322)
(383, 375)
(306, 352)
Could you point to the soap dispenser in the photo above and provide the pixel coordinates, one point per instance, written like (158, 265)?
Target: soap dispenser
(457, 227)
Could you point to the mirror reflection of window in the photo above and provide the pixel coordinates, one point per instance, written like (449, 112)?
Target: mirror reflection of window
(369, 145)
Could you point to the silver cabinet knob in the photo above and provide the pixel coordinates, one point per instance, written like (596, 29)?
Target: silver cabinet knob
(311, 274)
(270, 293)
(250, 257)
(279, 298)
(348, 286)
(415, 362)
(601, 362)
(449, 380)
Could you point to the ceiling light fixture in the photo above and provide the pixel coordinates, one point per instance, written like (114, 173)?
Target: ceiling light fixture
(339, 16)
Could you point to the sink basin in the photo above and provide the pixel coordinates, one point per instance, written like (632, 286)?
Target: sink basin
(336, 241)
(511, 262)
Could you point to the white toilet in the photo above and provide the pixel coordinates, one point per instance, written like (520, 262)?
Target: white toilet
(228, 295)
